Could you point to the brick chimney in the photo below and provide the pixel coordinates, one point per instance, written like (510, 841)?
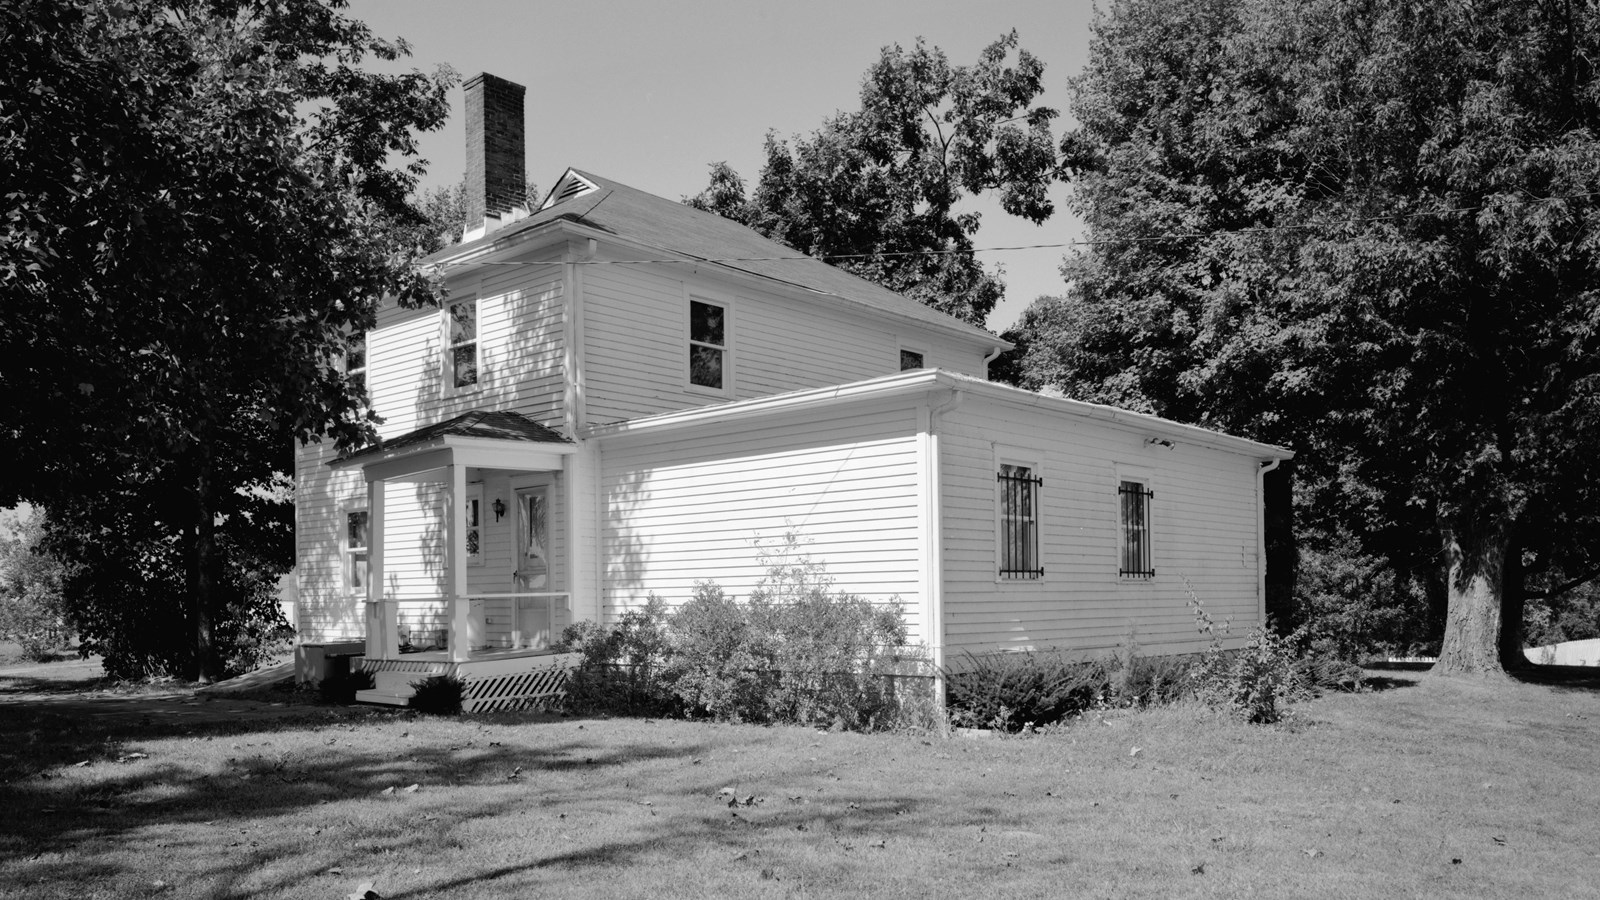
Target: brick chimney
(497, 175)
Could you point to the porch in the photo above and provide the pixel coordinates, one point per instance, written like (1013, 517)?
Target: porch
(449, 589)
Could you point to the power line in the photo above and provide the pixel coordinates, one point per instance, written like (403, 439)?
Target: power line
(1170, 236)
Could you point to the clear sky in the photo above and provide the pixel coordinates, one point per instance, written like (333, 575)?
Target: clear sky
(650, 92)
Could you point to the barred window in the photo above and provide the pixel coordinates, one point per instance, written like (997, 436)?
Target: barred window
(1019, 522)
(1135, 515)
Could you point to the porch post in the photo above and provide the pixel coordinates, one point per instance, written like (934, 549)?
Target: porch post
(383, 632)
(455, 552)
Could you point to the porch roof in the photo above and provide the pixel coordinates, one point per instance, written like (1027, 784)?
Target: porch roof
(479, 437)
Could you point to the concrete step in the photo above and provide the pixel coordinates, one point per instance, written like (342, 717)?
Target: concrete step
(398, 683)
(387, 698)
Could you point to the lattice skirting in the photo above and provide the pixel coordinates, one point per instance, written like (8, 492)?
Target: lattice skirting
(421, 667)
(521, 690)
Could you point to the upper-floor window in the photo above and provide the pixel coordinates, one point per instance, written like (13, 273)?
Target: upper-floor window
(461, 350)
(910, 359)
(355, 360)
(1134, 512)
(357, 545)
(1019, 522)
(708, 344)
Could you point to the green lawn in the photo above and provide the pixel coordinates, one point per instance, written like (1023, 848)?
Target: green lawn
(1422, 789)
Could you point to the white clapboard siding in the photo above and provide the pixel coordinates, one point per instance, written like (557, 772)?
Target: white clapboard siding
(520, 347)
(635, 331)
(692, 507)
(1204, 532)
(322, 495)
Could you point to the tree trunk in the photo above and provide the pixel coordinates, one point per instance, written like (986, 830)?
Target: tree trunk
(202, 583)
(1475, 552)
(1512, 606)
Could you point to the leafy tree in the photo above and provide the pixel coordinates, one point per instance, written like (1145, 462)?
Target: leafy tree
(877, 191)
(199, 210)
(33, 610)
(1368, 230)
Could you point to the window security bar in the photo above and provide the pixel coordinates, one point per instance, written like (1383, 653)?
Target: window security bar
(1019, 522)
(1136, 556)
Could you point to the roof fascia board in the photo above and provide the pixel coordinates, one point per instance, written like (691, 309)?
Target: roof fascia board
(1150, 425)
(927, 380)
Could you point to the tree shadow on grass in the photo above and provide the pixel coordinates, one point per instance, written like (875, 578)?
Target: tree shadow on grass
(59, 825)
(1566, 678)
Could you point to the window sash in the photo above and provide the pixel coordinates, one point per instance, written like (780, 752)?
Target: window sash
(461, 351)
(357, 546)
(1019, 522)
(708, 344)
(1137, 559)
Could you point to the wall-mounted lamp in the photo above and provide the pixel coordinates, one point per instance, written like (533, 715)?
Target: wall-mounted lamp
(499, 508)
(1159, 442)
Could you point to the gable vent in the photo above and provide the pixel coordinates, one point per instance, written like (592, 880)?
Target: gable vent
(574, 185)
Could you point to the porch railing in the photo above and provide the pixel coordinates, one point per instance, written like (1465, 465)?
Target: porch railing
(530, 621)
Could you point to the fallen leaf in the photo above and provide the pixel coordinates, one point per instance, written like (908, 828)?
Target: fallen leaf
(1312, 853)
(335, 871)
(1499, 839)
(1136, 751)
(387, 791)
(364, 891)
(1455, 861)
(1198, 870)
(79, 765)
(412, 789)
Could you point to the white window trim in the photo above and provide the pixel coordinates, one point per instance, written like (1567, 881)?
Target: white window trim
(447, 365)
(728, 341)
(1141, 476)
(911, 348)
(346, 552)
(1016, 456)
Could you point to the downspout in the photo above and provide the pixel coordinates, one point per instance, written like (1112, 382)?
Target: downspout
(1261, 539)
(991, 357)
(933, 606)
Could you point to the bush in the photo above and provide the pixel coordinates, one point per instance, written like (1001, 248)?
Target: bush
(342, 688)
(1014, 691)
(438, 695)
(1257, 682)
(620, 666)
(798, 651)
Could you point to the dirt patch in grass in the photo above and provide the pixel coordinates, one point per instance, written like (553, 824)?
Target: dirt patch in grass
(1426, 789)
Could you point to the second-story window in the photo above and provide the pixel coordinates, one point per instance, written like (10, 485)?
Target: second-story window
(461, 354)
(355, 360)
(708, 344)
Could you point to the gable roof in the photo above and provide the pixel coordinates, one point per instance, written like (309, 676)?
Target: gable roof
(682, 230)
(475, 423)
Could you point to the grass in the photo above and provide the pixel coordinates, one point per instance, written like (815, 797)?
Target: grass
(1424, 789)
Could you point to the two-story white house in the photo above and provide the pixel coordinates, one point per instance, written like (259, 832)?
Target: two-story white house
(624, 395)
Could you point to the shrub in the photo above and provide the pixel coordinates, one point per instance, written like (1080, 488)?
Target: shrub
(798, 652)
(342, 688)
(718, 665)
(438, 695)
(621, 664)
(1013, 691)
